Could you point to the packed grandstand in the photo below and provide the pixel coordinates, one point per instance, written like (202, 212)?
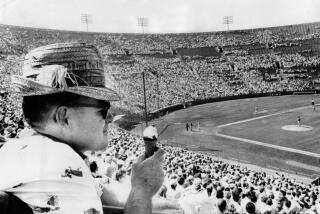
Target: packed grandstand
(180, 69)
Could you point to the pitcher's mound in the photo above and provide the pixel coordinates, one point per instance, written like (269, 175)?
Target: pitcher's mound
(295, 128)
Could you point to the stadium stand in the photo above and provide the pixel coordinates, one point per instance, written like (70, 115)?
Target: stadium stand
(189, 66)
(199, 182)
(182, 68)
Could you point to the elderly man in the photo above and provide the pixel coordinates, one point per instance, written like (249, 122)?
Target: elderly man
(65, 101)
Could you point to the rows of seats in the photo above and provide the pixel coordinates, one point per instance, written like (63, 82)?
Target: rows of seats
(242, 62)
(199, 183)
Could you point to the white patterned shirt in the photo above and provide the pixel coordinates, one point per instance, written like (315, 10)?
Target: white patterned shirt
(49, 176)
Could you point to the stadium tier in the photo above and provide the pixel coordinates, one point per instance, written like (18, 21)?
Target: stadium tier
(201, 183)
(187, 67)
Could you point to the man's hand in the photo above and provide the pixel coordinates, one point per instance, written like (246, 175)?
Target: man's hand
(147, 174)
(146, 179)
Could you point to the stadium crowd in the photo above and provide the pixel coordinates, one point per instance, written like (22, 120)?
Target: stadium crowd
(18, 40)
(174, 79)
(178, 80)
(197, 182)
(203, 184)
(11, 123)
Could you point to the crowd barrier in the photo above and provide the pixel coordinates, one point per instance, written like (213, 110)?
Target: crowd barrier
(112, 210)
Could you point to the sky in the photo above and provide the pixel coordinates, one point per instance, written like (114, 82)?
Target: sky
(164, 16)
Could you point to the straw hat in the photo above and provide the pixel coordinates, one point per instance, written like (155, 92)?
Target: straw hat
(65, 67)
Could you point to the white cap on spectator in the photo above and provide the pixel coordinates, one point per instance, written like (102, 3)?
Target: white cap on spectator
(150, 133)
(197, 181)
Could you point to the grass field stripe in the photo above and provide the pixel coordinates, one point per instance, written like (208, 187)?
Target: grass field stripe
(261, 143)
(302, 165)
(261, 117)
(269, 145)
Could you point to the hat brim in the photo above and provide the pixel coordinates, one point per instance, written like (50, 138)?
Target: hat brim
(27, 87)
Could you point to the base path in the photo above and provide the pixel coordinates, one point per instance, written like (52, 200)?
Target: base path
(261, 143)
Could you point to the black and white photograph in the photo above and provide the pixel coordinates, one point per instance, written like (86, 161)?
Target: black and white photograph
(160, 107)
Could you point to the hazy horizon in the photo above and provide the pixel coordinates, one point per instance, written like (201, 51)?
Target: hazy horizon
(165, 16)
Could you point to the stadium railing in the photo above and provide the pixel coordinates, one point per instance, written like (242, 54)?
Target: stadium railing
(10, 205)
(306, 92)
(113, 210)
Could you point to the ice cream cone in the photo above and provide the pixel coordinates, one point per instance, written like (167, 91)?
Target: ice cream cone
(150, 138)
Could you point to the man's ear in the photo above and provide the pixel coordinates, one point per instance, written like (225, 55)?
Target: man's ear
(61, 115)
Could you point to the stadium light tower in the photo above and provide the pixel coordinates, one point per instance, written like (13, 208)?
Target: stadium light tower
(227, 20)
(143, 22)
(144, 90)
(145, 98)
(86, 19)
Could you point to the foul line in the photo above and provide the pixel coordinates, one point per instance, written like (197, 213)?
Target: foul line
(260, 117)
(261, 143)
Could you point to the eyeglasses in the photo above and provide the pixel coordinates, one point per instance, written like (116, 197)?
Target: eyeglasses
(104, 113)
(104, 107)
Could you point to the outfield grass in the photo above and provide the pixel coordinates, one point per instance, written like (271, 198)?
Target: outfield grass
(267, 130)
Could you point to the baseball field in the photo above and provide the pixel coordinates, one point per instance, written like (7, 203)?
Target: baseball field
(261, 131)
